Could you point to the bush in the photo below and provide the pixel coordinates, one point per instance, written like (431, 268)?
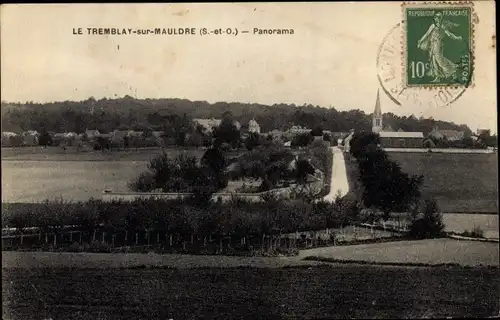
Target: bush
(145, 182)
(475, 233)
(430, 225)
(266, 185)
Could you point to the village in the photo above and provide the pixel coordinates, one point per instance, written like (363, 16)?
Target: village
(119, 139)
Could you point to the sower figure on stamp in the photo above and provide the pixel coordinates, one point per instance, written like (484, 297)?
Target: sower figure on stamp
(432, 41)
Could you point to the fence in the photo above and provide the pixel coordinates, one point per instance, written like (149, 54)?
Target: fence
(101, 240)
(109, 195)
(436, 150)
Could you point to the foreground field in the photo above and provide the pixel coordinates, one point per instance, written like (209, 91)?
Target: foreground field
(312, 292)
(430, 252)
(459, 182)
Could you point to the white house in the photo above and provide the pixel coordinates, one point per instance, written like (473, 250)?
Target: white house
(253, 126)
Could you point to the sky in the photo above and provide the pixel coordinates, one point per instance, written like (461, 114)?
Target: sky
(330, 60)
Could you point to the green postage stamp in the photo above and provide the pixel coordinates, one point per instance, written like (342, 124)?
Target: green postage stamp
(438, 44)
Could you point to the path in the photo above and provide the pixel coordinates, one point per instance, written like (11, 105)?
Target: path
(338, 182)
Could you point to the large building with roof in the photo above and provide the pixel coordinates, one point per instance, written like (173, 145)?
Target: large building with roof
(394, 139)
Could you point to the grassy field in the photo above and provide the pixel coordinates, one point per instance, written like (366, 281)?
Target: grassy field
(312, 292)
(71, 154)
(459, 182)
(34, 177)
(35, 181)
(431, 251)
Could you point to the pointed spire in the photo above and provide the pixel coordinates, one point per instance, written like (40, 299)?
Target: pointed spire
(378, 111)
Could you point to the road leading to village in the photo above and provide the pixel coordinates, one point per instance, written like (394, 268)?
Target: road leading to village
(338, 182)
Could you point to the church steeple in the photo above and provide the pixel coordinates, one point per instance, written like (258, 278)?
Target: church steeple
(377, 116)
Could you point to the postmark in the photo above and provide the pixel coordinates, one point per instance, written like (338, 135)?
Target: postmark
(438, 44)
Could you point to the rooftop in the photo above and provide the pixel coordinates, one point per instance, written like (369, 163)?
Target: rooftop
(398, 134)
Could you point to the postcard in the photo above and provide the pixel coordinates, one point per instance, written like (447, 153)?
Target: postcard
(249, 160)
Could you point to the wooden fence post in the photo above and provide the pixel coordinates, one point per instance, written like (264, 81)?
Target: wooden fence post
(136, 238)
(113, 240)
(171, 239)
(22, 236)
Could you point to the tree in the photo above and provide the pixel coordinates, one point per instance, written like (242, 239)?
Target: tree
(363, 140)
(327, 137)
(303, 169)
(317, 132)
(195, 139)
(162, 169)
(252, 141)
(302, 140)
(227, 132)
(214, 159)
(430, 225)
(45, 139)
(385, 185)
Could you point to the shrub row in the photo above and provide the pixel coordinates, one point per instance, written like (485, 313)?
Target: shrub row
(183, 217)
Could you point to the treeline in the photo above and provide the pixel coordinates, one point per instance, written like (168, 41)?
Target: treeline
(130, 113)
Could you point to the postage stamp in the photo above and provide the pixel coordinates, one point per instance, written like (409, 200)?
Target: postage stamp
(391, 74)
(438, 44)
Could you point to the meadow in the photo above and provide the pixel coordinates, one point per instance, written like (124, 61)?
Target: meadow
(257, 293)
(426, 252)
(34, 174)
(458, 182)
(35, 181)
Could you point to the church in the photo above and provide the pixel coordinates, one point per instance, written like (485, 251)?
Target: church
(391, 139)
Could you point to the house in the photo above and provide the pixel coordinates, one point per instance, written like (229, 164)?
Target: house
(135, 134)
(486, 132)
(296, 130)
(11, 139)
(119, 137)
(209, 124)
(237, 124)
(91, 134)
(401, 139)
(8, 134)
(276, 134)
(253, 126)
(30, 137)
(108, 136)
(450, 135)
(157, 134)
(391, 139)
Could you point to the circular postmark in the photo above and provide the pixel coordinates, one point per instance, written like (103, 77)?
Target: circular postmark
(390, 70)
